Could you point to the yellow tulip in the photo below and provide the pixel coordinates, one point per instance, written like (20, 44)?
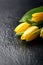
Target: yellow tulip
(22, 27)
(29, 33)
(41, 33)
(36, 17)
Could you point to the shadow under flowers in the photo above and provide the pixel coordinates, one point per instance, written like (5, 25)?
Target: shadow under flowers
(36, 42)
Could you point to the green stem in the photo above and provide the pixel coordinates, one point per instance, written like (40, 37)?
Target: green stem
(38, 31)
(39, 24)
(19, 34)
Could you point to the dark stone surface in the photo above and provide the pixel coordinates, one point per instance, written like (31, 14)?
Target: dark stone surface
(12, 50)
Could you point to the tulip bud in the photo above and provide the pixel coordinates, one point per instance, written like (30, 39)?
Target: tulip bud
(41, 33)
(29, 34)
(36, 17)
(22, 27)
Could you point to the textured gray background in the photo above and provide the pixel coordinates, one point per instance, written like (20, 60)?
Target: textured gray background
(12, 50)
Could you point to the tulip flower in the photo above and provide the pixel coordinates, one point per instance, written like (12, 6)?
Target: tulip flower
(22, 27)
(36, 17)
(29, 34)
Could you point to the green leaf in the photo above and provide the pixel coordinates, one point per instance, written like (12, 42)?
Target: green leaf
(27, 16)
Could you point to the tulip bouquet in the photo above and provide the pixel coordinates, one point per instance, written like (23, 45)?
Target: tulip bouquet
(31, 25)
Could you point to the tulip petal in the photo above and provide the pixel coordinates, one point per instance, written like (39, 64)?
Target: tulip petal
(41, 33)
(29, 33)
(21, 27)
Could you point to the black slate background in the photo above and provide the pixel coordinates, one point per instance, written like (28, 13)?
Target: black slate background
(12, 50)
